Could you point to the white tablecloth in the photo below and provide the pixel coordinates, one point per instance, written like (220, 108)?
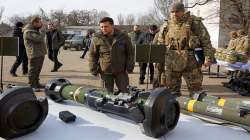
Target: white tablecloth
(236, 66)
(92, 125)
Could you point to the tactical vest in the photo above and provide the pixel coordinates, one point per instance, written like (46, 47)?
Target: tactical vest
(232, 44)
(181, 42)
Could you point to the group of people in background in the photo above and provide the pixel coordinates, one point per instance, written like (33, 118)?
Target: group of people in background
(138, 37)
(33, 46)
(239, 42)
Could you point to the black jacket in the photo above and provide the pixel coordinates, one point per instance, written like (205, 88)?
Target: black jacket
(18, 33)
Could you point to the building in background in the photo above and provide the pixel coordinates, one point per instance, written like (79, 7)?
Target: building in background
(221, 17)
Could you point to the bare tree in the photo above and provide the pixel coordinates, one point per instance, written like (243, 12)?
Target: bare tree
(130, 19)
(93, 17)
(84, 17)
(16, 18)
(101, 14)
(162, 7)
(72, 18)
(58, 16)
(198, 2)
(43, 14)
(120, 19)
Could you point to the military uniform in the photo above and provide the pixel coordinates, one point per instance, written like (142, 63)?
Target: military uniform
(233, 41)
(36, 50)
(182, 38)
(112, 57)
(159, 76)
(242, 45)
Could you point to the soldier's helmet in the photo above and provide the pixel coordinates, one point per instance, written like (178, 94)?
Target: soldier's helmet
(241, 32)
(177, 6)
(233, 34)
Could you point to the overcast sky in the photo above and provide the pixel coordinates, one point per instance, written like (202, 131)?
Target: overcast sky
(113, 7)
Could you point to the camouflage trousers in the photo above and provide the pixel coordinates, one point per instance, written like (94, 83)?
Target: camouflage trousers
(35, 67)
(121, 80)
(158, 76)
(193, 78)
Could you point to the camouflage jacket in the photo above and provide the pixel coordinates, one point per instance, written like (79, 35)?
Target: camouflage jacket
(198, 34)
(232, 44)
(108, 58)
(242, 45)
(34, 42)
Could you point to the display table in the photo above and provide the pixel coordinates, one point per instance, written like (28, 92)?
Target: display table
(236, 66)
(92, 125)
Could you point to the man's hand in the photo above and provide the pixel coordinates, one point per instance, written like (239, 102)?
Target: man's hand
(208, 63)
(94, 74)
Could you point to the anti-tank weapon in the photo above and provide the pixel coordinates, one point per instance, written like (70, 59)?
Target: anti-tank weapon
(157, 110)
(217, 110)
(21, 112)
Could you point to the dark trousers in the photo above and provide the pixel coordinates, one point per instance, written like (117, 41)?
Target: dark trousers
(85, 52)
(53, 54)
(121, 80)
(143, 67)
(35, 67)
(21, 59)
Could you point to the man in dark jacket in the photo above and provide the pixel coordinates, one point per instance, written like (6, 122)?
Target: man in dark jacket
(22, 56)
(87, 42)
(147, 38)
(111, 55)
(54, 40)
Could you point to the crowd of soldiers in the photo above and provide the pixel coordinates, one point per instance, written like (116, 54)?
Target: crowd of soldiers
(111, 51)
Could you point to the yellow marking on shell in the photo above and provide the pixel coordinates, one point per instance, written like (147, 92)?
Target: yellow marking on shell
(221, 102)
(190, 106)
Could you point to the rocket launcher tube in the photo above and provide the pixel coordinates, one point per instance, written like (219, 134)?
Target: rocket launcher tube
(157, 110)
(227, 103)
(238, 117)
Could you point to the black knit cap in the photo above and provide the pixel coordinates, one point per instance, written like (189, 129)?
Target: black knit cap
(177, 6)
(19, 24)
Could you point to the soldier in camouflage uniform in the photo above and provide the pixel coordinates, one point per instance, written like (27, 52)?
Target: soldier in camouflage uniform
(233, 40)
(111, 55)
(34, 42)
(242, 43)
(183, 35)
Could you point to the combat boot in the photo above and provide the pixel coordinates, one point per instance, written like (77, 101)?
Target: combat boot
(13, 74)
(141, 82)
